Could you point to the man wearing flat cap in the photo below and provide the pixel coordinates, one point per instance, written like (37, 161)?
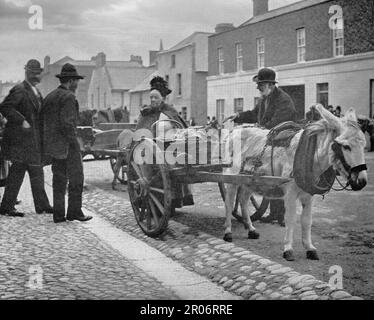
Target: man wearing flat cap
(61, 146)
(22, 142)
(274, 107)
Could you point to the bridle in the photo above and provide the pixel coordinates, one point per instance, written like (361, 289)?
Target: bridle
(337, 148)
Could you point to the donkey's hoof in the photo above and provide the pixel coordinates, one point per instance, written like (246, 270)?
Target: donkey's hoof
(289, 255)
(253, 235)
(312, 255)
(228, 237)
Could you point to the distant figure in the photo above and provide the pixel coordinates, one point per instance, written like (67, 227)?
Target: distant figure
(331, 109)
(214, 123)
(338, 111)
(192, 122)
(313, 115)
(208, 121)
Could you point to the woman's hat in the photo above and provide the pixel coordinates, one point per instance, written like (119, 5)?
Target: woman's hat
(69, 71)
(161, 85)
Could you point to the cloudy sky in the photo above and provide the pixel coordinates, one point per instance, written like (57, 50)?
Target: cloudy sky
(82, 28)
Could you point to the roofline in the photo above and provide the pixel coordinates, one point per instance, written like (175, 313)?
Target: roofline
(186, 45)
(244, 24)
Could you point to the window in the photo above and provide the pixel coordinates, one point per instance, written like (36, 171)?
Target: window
(105, 100)
(238, 105)
(323, 94)
(141, 99)
(221, 61)
(179, 78)
(301, 45)
(239, 57)
(220, 110)
(173, 61)
(338, 34)
(260, 53)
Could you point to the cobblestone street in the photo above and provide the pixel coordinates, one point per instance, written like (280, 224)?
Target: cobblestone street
(41, 260)
(77, 261)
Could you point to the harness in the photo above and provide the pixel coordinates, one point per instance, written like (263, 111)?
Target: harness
(303, 170)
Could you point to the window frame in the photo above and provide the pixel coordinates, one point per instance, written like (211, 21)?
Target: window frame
(338, 38)
(221, 61)
(260, 44)
(301, 45)
(239, 56)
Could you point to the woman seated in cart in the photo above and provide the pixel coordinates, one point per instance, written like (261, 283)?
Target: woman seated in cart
(160, 110)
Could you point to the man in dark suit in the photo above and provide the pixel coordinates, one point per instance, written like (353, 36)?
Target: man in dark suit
(275, 107)
(22, 142)
(61, 115)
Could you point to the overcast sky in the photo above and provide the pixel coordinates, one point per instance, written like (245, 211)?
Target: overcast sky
(82, 28)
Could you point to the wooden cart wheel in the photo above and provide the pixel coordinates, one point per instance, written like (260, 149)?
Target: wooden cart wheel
(260, 207)
(122, 176)
(149, 187)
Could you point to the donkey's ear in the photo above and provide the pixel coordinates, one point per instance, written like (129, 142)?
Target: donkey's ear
(351, 115)
(327, 115)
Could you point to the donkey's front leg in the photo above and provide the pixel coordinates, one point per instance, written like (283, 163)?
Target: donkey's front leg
(306, 227)
(290, 219)
(229, 206)
(244, 198)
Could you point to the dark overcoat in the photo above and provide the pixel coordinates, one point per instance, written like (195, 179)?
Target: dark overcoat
(280, 109)
(60, 120)
(19, 144)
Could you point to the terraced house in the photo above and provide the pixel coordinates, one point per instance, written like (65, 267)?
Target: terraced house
(185, 67)
(322, 50)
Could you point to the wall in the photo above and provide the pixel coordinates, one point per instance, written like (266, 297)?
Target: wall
(280, 36)
(348, 78)
(184, 61)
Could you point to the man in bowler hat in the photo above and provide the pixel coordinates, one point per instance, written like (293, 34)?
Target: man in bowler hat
(22, 142)
(61, 146)
(274, 107)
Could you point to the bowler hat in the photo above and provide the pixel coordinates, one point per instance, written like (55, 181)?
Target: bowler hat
(265, 75)
(69, 71)
(34, 66)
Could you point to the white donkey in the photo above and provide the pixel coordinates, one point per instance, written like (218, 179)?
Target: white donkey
(340, 143)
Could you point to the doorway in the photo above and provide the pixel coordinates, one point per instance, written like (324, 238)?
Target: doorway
(297, 93)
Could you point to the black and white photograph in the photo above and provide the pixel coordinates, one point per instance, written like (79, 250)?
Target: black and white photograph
(188, 155)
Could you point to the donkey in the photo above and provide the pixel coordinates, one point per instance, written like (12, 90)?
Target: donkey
(340, 144)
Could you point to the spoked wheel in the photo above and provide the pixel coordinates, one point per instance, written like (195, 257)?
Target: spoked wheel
(122, 175)
(149, 187)
(259, 203)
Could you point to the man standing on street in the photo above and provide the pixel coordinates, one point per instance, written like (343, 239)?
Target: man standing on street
(22, 142)
(275, 107)
(61, 146)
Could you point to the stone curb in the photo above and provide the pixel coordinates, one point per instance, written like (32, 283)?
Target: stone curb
(236, 269)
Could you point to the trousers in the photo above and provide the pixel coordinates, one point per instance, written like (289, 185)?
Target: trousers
(68, 172)
(15, 178)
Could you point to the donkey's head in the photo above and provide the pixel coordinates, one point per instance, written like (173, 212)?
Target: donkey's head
(347, 153)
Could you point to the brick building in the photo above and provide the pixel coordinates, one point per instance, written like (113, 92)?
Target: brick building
(185, 67)
(317, 58)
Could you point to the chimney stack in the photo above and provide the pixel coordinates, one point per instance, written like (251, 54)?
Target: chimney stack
(223, 27)
(136, 59)
(47, 62)
(260, 7)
